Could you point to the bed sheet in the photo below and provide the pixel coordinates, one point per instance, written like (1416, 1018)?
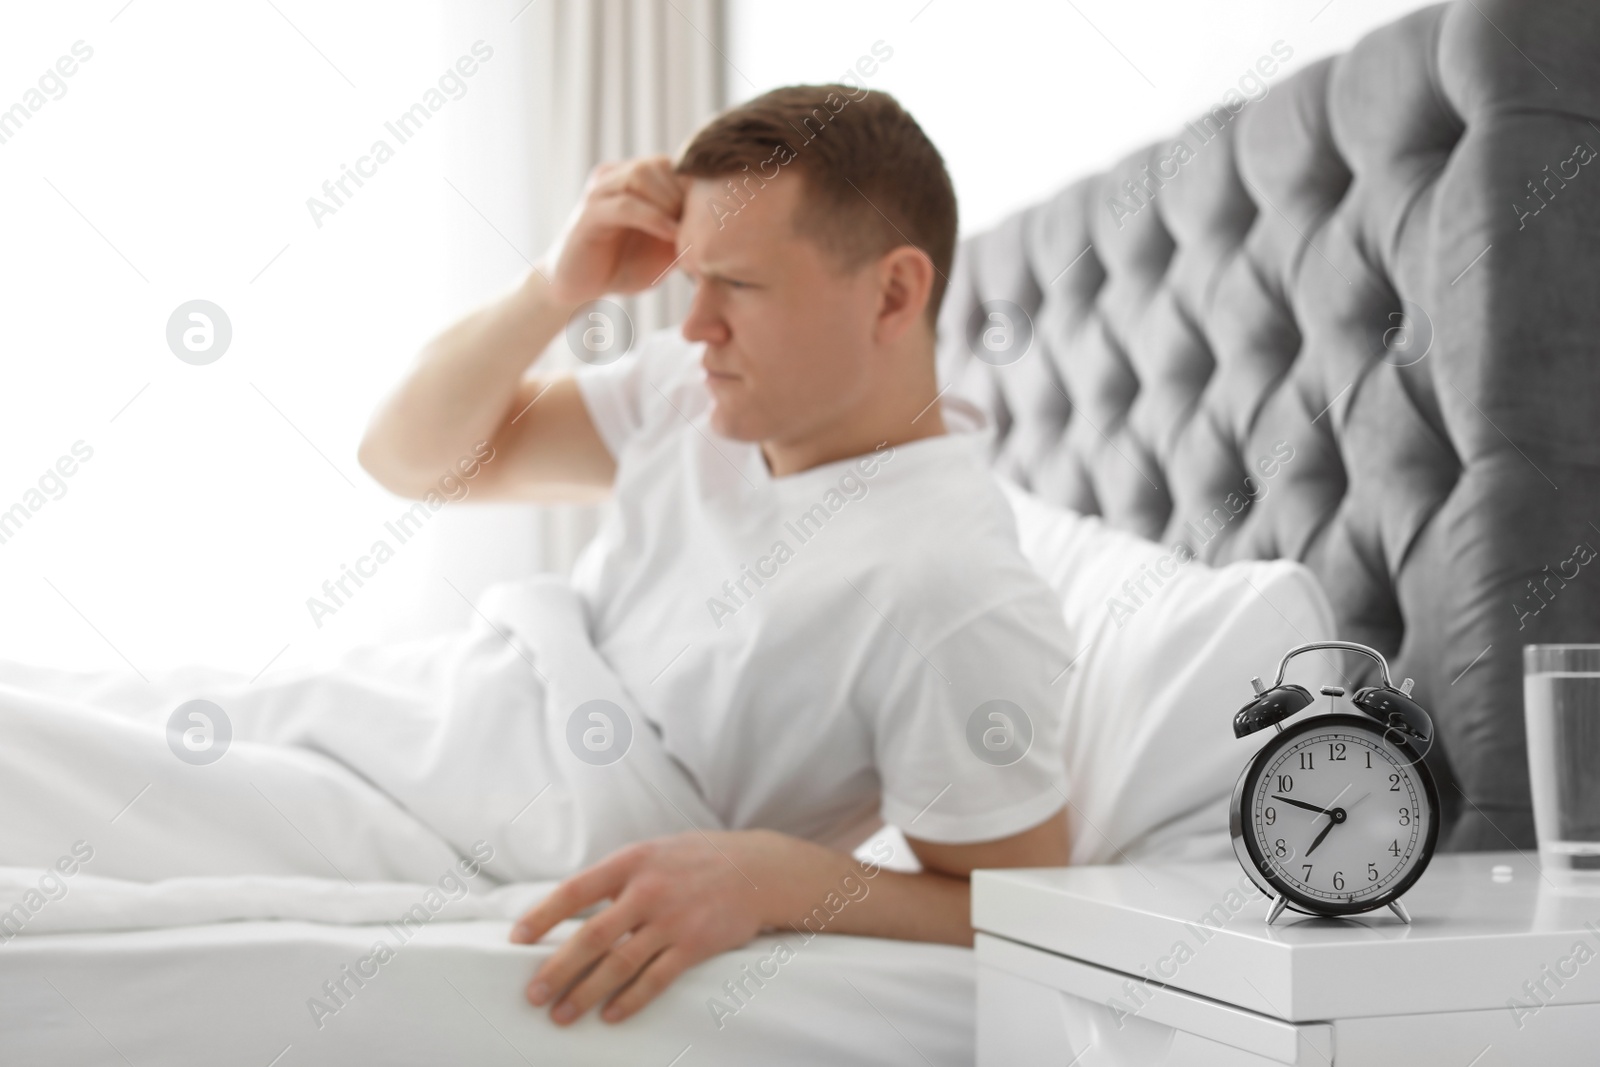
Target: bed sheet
(246, 993)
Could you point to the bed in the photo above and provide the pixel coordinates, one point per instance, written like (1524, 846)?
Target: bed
(296, 903)
(237, 993)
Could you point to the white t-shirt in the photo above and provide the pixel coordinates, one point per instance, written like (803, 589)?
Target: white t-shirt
(822, 649)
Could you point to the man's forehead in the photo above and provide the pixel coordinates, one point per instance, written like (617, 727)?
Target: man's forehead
(708, 250)
(748, 216)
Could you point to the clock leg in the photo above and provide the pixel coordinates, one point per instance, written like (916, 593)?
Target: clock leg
(1277, 909)
(1400, 911)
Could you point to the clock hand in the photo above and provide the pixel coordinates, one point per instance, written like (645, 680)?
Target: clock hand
(1335, 817)
(1302, 804)
(1331, 824)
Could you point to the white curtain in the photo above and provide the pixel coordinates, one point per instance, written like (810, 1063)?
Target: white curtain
(594, 80)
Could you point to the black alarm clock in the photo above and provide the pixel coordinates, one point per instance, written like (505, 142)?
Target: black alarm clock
(1338, 814)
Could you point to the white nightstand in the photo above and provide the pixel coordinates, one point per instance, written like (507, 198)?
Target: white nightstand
(1175, 965)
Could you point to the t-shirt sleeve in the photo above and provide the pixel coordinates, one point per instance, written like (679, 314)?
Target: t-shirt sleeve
(970, 732)
(623, 396)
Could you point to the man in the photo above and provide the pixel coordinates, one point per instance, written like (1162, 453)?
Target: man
(806, 575)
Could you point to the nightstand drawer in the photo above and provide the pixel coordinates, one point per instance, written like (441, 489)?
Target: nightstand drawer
(1035, 1007)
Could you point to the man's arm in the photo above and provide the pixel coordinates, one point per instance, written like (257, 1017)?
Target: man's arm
(469, 383)
(468, 386)
(679, 900)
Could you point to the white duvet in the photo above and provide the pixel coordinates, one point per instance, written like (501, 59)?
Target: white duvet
(405, 765)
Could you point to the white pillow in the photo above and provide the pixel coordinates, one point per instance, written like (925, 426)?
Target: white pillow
(1165, 652)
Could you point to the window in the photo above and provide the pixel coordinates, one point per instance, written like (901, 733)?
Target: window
(184, 158)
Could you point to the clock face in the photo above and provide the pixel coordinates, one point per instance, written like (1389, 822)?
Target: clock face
(1337, 817)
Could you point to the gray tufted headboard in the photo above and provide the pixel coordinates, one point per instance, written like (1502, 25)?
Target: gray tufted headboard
(1391, 265)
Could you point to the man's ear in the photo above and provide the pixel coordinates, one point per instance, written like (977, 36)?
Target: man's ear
(905, 281)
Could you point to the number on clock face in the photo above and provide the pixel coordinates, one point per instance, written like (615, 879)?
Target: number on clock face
(1339, 815)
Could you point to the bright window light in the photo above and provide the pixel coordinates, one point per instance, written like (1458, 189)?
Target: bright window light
(165, 510)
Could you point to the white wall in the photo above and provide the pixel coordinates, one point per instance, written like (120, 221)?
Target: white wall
(1022, 96)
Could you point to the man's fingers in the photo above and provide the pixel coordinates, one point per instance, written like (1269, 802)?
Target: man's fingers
(593, 940)
(661, 187)
(656, 976)
(601, 882)
(607, 175)
(630, 212)
(649, 179)
(620, 964)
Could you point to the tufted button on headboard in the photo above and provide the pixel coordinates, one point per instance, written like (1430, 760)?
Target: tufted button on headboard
(1356, 323)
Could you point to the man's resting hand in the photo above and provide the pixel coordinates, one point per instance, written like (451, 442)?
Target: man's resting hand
(676, 901)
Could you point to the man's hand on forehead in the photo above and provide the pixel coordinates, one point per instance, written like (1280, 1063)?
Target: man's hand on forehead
(623, 236)
(649, 178)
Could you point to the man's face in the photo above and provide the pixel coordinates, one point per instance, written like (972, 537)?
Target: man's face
(788, 331)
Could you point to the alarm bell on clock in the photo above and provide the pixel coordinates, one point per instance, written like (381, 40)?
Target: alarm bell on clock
(1337, 814)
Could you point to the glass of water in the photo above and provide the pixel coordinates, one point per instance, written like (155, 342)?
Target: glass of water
(1561, 699)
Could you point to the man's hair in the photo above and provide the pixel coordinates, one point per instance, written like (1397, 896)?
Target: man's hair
(873, 180)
